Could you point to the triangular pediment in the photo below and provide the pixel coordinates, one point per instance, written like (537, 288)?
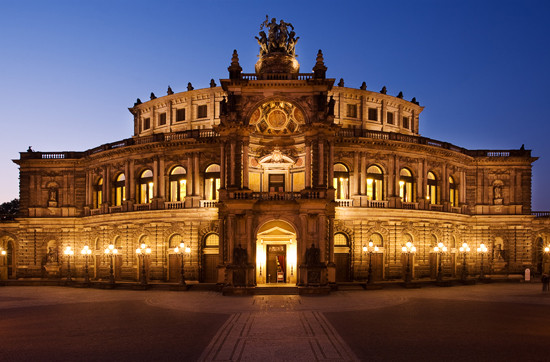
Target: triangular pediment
(276, 231)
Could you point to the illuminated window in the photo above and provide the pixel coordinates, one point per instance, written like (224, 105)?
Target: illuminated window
(432, 192)
(119, 190)
(453, 192)
(162, 119)
(375, 182)
(98, 194)
(178, 184)
(377, 239)
(202, 111)
(276, 182)
(212, 240)
(180, 115)
(212, 182)
(146, 187)
(341, 239)
(406, 185)
(341, 181)
(373, 114)
(352, 110)
(175, 241)
(389, 117)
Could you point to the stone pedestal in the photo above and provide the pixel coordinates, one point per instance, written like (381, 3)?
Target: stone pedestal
(53, 271)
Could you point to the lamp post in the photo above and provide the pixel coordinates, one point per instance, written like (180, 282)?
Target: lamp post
(370, 249)
(142, 252)
(544, 257)
(440, 249)
(86, 252)
(68, 252)
(464, 249)
(408, 249)
(180, 251)
(483, 250)
(111, 251)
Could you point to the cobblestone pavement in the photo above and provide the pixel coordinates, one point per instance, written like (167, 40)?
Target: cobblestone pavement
(505, 322)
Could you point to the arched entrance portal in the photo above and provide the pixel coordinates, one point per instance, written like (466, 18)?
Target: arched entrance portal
(276, 253)
(7, 260)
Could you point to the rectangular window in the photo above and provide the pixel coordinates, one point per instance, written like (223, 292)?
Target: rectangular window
(406, 122)
(373, 114)
(202, 111)
(180, 115)
(389, 117)
(352, 110)
(147, 123)
(162, 119)
(276, 183)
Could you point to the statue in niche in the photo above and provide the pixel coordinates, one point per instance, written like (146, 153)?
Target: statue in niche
(52, 195)
(240, 256)
(331, 104)
(497, 193)
(52, 256)
(313, 256)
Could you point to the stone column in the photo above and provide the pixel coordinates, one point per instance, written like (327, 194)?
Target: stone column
(196, 180)
(321, 158)
(355, 174)
(245, 165)
(161, 180)
(308, 164)
(331, 162)
(232, 164)
(190, 178)
(223, 176)
(363, 175)
(131, 182)
(88, 189)
(155, 178)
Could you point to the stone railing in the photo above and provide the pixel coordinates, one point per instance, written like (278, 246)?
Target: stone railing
(541, 213)
(436, 207)
(410, 205)
(208, 203)
(174, 205)
(377, 204)
(344, 202)
(142, 207)
(114, 209)
(95, 212)
(277, 76)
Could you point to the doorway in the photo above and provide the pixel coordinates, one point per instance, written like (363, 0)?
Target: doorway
(276, 264)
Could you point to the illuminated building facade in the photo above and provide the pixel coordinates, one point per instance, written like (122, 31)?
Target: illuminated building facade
(275, 176)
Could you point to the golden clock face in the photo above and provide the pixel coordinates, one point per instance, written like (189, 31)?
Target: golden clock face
(277, 118)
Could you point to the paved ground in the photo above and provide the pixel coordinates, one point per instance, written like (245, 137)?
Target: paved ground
(504, 322)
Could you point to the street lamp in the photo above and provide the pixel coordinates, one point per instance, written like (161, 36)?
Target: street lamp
(111, 251)
(86, 252)
(440, 249)
(483, 250)
(370, 249)
(143, 251)
(180, 251)
(68, 252)
(544, 258)
(408, 249)
(464, 249)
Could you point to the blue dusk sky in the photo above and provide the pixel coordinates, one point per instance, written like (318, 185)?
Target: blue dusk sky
(70, 69)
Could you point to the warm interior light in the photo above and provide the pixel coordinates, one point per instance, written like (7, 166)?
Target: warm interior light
(404, 249)
(371, 244)
(138, 251)
(369, 181)
(401, 183)
(376, 248)
(409, 244)
(143, 246)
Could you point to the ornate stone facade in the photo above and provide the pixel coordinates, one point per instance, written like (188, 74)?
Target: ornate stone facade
(269, 167)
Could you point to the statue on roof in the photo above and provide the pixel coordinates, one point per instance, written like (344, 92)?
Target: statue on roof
(278, 38)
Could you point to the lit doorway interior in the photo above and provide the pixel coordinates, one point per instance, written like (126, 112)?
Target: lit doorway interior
(276, 253)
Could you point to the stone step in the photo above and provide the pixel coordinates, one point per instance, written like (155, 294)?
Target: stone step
(276, 290)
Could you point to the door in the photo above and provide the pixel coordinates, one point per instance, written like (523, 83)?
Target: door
(174, 268)
(276, 264)
(342, 261)
(210, 270)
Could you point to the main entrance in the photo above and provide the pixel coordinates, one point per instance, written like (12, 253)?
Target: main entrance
(276, 253)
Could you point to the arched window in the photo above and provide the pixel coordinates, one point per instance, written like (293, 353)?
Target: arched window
(146, 187)
(119, 188)
(212, 182)
(341, 239)
(98, 194)
(406, 185)
(375, 182)
(453, 192)
(178, 184)
(175, 241)
(377, 239)
(341, 181)
(432, 191)
(212, 241)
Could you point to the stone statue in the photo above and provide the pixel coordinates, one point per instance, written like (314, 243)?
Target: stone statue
(262, 41)
(30, 149)
(52, 256)
(363, 86)
(223, 106)
(313, 256)
(497, 191)
(169, 91)
(138, 102)
(292, 44)
(52, 195)
(384, 90)
(212, 83)
(190, 86)
(341, 82)
(240, 256)
(153, 96)
(331, 104)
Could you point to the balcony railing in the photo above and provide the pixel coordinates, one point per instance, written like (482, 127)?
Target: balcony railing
(208, 203)
(541, 213)
(377, 204)
(344, 203)
(142, 207)
(174, 205)
(436, 207)
(410, 205)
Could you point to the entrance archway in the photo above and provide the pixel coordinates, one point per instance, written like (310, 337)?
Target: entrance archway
(7, 261)
(276, 252)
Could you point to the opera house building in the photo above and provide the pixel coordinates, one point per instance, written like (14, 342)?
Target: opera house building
(275, 177)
